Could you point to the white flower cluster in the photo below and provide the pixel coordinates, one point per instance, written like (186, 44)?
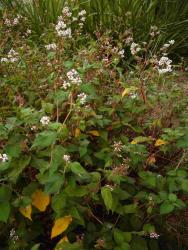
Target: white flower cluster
(167, 45)
(82, 98)
(62, 29)
(11, 57)
(135, 48)
(28, 32)
(13, 22)
(164, 65)
(13, 236)
(45, 120)
(3, 157)
(154, 31)
(118, 146)
(66, 12)
(154, 235)
(120, 52)
(51, 46)
(66, 85)
(66, 158)
(74, 77)
(81, 18)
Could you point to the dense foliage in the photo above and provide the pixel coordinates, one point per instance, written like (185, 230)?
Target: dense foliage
(93, 139)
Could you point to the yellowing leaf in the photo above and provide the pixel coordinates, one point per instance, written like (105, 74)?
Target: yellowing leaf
(127, 91)
(160, 142)
(94, 132)
(26, 211)
(140, 139)
(60, 225)
(40, 200)
(77, 132)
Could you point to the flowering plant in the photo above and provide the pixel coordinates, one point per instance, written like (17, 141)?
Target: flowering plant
(93, 147)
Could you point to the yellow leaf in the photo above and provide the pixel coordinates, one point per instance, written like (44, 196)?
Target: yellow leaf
(60, 225)
(126, 91)
(26, 211)
(40, 200)
(134, 142)
(160, 142)
(94, 132)
(77, 132)
(140, 139)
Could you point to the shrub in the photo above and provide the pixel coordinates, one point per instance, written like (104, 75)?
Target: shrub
(93, 148)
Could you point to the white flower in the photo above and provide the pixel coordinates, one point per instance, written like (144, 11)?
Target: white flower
(135, 48)
(74, 77)
(121, 53)
(7, 22)
(51, 46)
(83, 19)
(128, 40)
(28, 32)
(62, 29)
(171, 42)
(166, 45)
(4, 59)
(118, 146)
(66, 85)
(3, 157)
(82, 98)
(66, 158)
(74, 19)
(16, 21)
(12, 56)
(82, 13)
(33, 128)
(133, 95)
(45, 120)
(154, 235)
(66, 11)
(164, 65)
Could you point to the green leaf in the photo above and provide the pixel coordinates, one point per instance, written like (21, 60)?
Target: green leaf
(4, 211)
(107, 197)
(118, 237)
(184, 185)
(56, 158)
(19, 166)
(172, 197)
(77, 169)
(138, 244)
(44, 139)
(130, 209)
(59, 202)
(36, 247)
(166, 208)
(125, 246)
(5, 193)
(127, 236)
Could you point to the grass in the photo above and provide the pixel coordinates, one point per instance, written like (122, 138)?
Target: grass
(116, 15)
